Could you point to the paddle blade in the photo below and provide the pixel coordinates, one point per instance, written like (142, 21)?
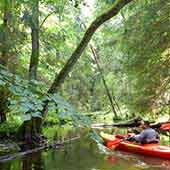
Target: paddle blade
(113, 144)
(112, 141)
(107, 136)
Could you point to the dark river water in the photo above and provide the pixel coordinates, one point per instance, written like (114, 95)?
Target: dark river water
(85, 154)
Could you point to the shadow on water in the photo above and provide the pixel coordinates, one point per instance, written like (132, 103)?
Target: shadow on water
(84, 154)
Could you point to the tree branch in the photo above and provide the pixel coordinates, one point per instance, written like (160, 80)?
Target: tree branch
(59, 78)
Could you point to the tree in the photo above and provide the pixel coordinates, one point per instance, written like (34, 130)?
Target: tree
(96, 58)
(35, 40)
(144, 65)
(59, 78)
(5, 48)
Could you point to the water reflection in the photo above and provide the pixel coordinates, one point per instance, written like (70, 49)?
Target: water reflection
(33, 161)
(5, 166)
(85, 155)
(139, 161)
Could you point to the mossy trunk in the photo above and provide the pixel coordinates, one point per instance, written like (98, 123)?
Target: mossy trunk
(4, 93)
(30, 131)
(35, 42)
(4, 48)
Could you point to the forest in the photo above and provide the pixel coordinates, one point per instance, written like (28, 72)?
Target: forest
(68, 64)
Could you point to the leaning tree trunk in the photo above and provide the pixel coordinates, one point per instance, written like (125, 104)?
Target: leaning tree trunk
(59, 78)
(93, 95)
(95, 55)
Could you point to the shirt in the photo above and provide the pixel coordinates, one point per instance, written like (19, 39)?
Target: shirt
(148, 135)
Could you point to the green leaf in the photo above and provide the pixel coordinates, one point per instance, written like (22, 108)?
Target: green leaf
(37, 114)
(13, 102)
(64, 115)
(2, 83)
(27, 105)
(26, 117)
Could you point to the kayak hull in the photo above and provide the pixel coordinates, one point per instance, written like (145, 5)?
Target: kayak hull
(154, 150)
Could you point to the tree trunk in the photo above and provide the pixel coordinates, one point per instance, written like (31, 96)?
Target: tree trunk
(4, 94)
(93, 103)
(3, 61)
(30, 130)
(35, 41)
(95, 55)
(4, 44)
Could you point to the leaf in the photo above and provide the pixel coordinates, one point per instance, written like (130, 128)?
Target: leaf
(22, 110)
(27, 105)
(13, 102)
(37, 114)
(56, 98)
(2, 83)
(6, 73)
(17, 90)
(26, 117)
(46, 98)
(64, 115)
(38, 106)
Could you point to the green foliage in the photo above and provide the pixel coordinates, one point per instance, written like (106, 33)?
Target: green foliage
(52, 119)
(144, 61)
(134, 50)
(11, 126)
(27, 101)
(110, 1)
(133, 54)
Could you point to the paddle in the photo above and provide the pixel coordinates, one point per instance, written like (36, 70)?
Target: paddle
(113, 145)
(113, 141)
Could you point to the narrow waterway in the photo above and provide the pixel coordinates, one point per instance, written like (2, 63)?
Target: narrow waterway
(85, 154)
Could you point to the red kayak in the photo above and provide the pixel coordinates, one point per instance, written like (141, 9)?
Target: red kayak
(165, 126)
(118, 142)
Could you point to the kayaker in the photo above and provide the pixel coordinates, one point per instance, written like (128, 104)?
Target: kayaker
(148, 135)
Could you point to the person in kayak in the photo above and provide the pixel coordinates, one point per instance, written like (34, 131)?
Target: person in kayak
(148, 135)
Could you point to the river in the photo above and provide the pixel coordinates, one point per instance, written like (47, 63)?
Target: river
(85, 154)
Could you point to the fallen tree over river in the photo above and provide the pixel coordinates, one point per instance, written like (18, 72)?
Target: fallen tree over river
(135, 122)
